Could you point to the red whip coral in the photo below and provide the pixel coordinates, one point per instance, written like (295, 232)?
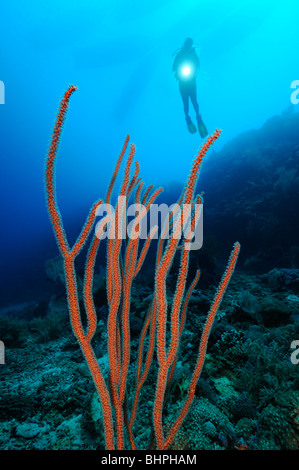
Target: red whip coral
(124, 261)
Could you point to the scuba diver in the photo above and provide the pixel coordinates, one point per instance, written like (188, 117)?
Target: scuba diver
(186, 68)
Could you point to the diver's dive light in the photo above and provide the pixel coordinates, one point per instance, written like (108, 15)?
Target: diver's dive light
(187, 71)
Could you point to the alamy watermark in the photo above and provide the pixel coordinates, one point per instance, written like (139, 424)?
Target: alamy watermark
(2, 92)
(2, 352)
(176, 221)
(295, 354)
(295, 94)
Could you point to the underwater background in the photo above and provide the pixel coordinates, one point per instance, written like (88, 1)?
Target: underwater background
(120, 55)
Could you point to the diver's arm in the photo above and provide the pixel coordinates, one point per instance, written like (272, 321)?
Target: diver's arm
(197, 65)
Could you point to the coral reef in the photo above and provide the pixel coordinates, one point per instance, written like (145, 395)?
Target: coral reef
(246, 398)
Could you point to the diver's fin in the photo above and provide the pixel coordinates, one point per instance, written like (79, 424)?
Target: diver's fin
(191, 127)
(202, 128)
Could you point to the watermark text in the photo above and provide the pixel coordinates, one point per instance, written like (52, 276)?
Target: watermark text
(2, 92)
(295, 94)
(138, 221)
(2, 352)
(295, 354)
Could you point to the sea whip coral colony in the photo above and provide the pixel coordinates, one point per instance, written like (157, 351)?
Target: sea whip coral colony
(124, 261)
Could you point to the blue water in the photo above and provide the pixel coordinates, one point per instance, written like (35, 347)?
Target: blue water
(119, 55)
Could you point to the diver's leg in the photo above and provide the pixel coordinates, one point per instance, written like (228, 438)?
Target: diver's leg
(200, 124)
(193, 97)
(186, 108)
(185, 99)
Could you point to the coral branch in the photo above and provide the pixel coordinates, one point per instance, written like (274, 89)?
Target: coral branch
(71, 281)
(203, 343)
(50, 173)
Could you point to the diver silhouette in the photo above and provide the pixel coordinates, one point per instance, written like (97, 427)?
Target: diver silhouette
(186, 68)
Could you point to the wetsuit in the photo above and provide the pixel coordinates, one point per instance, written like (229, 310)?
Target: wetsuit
(187, 85)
